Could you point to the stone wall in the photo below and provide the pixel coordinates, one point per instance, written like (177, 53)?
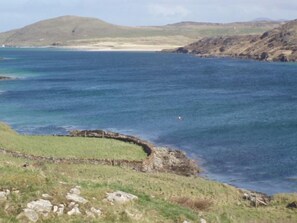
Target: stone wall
(158, 160)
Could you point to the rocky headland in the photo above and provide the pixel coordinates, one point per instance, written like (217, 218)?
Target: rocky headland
(278, 44)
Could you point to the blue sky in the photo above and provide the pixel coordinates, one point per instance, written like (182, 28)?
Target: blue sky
(18, 13)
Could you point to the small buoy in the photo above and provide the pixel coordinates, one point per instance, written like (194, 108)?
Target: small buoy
(180, 118)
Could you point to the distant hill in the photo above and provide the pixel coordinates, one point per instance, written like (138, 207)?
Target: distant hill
(92, 32)
(278, 44)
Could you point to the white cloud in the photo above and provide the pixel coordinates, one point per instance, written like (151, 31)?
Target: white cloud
(168, 10)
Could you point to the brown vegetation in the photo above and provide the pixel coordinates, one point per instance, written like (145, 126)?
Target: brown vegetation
(196, 204)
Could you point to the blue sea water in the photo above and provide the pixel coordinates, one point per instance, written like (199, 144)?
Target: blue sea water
(239, 117)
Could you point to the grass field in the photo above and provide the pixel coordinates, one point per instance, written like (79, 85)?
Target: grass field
(161, 195)
(53, 146)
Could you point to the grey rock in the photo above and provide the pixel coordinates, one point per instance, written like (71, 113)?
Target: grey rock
(46, 196)
(96, 211)
(90, 214)
(55, 209)
(31, 215)
(120, 197)
(75, 190)
(41, 206)
(74, 211)
(202, 220)
(76, 198)
(61, 210)
(256, 199)
(71, 205)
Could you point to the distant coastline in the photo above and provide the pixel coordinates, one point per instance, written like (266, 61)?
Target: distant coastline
(128, 48)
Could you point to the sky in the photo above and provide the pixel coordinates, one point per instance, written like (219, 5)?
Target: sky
(18, 13)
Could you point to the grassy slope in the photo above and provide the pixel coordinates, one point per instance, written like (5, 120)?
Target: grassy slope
(69, 147)
(156, 193)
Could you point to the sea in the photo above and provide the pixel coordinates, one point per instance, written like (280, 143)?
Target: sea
(236, 118)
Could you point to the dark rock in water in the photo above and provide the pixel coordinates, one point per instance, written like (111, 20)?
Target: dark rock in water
(264, 56)
(282, 58)
(292, 205)
(2, 78)
(182, 50)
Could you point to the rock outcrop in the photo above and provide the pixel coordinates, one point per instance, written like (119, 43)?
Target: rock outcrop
(256, 199)
(279, 44)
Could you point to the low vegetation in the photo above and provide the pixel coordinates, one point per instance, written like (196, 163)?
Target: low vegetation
(162, 197)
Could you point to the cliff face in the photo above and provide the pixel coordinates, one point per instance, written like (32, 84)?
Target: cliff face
(279, 44)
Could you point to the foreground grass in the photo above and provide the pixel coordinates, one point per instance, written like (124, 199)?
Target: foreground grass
(69, 147)
(157, 194)
(161, 195)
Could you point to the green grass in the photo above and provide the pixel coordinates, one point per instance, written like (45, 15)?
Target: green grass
(157, 194)
(55, 146)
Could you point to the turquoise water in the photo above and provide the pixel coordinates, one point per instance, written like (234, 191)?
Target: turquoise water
(239, 117)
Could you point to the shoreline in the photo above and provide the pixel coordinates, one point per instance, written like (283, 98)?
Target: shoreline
(136, 48)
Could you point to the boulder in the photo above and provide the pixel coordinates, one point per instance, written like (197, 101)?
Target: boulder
(120, 197)
(74, 211)
(96, 211)
(55, 209)
(31, 215)
(75, 190)
(76, 198)
(61, 210)
(41, 206)
(71, 205)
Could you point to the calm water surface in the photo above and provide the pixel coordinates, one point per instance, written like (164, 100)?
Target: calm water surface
(239, 117)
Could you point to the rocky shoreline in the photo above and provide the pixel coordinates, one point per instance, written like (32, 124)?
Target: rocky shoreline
(278, 44)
